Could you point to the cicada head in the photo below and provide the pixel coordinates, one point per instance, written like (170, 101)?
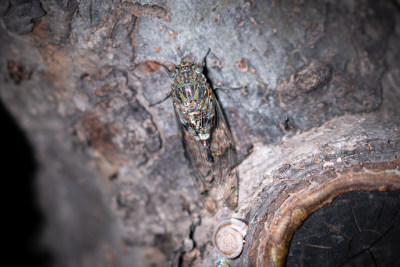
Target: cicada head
(185, 67)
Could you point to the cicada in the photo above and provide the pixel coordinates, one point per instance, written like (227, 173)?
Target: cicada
(206, 137)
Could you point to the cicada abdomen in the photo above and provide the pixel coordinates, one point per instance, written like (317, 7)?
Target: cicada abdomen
(206, 137)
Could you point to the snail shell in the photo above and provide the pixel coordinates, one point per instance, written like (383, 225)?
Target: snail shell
(229, 236)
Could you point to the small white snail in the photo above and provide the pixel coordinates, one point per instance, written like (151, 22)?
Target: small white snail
(229, 236)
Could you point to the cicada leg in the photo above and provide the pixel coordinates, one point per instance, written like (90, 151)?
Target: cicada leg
(162, 100)
(229, 88)
(171, 74)
(203, 62)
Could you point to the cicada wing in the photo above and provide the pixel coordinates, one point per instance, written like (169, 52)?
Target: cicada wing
(213, 162)
(201, 168)
(225, 161)
(202, 172)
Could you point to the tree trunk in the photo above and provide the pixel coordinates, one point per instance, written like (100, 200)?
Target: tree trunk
(317, 117)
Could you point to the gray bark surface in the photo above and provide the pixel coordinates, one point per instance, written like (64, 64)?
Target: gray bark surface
(321, 99)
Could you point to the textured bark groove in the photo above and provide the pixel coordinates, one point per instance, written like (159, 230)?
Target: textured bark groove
(317, 116)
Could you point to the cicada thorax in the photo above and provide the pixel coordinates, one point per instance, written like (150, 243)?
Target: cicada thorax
(195, 103)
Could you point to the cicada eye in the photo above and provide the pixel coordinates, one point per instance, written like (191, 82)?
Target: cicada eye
(174, 72)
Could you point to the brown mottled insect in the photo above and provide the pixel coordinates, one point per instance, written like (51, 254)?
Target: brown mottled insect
(206, 137)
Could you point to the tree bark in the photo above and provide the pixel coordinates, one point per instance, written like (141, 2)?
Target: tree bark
(318, 117)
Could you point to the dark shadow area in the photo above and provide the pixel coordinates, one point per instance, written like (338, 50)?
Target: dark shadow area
(357, 229)
(23, 218)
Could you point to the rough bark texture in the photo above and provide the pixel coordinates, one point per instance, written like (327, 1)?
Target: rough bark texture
(319, 117)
